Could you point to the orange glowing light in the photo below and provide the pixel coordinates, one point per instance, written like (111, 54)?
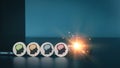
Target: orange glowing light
(78, 44)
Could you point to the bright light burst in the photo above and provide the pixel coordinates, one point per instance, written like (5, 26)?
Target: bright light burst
(78, 45)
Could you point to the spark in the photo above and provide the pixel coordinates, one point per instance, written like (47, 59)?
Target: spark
(78, 45)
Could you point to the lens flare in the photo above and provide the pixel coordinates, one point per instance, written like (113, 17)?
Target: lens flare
(78, 45)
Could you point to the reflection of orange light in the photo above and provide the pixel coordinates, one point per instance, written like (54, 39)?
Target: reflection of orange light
(78, 45)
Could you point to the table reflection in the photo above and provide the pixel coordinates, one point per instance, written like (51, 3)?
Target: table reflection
(47, 62)
(33, 62)
(37, 62)
(19, 62)
(61, 62)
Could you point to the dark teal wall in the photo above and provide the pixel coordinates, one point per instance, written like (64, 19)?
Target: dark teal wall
(55, 18)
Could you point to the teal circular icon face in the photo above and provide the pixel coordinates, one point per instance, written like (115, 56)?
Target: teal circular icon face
(61, 49)
(19, 49)
(33, 49)
(47, 46)
(47, 49)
